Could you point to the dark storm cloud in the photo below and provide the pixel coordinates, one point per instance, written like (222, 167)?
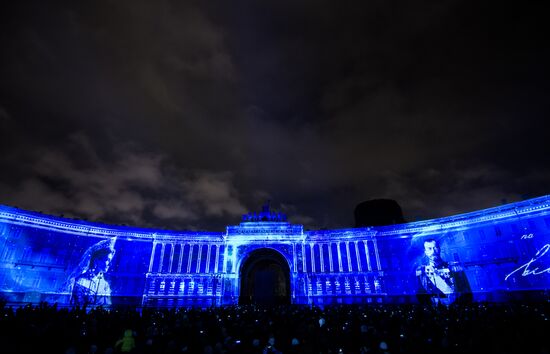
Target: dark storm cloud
(189, 114)
(133, 186)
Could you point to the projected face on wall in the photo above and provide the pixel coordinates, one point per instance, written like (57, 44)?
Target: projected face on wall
(90, 287)
(431, 249)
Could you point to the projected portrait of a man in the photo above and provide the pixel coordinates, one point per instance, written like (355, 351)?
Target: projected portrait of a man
(439, 281)
(89, 286)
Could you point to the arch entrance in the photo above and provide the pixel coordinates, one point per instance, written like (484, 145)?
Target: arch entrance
(265, 279)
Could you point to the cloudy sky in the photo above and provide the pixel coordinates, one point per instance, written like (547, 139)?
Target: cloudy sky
(188, 114)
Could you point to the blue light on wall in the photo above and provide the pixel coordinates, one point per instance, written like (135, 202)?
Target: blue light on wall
(497, 254)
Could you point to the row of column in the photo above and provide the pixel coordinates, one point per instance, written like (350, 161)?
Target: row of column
(317, 251)
(176, 264)
(167, 263)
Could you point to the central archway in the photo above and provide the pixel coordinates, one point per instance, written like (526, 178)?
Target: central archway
(264, 278)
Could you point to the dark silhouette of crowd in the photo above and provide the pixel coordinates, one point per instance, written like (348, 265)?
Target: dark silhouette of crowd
(372, 328)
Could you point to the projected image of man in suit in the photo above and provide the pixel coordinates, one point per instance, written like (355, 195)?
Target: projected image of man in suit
(435, 276)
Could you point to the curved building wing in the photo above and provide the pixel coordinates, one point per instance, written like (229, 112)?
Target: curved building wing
(497, 254)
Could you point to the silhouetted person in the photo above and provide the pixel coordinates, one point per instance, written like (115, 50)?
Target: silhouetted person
(127, 343)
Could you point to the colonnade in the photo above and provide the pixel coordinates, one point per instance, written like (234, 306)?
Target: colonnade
(184, 273)
(185, 258)
(340, 257)
(187, 272)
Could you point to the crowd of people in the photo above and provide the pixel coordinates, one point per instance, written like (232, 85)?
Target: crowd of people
(372, 328)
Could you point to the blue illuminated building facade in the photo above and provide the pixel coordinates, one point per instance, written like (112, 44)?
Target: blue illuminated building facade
(497, 254)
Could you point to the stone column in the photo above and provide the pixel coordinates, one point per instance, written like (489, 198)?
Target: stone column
(312, 258)
(151, 261)
(304, 258)
(161, 257)
(350, 268)
(191, 246)
(358, 257)
(171, 262)
(367, 256)
(330, 257)
(322, 262)
(199, 256)
(217, 258)
(207, 267)
(341, 269)
(180, 260)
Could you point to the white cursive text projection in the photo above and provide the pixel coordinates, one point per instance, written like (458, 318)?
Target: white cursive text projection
(530, 268)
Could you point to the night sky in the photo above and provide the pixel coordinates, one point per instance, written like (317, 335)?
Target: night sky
(187, 114)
